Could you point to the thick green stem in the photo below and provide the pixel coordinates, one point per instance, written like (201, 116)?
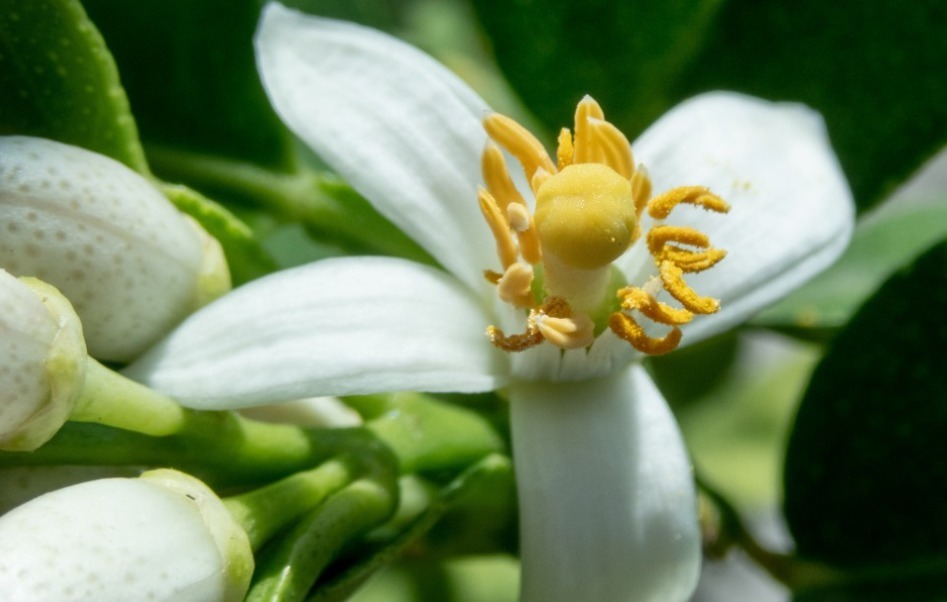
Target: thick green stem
(287, 572)
(111, 399)
(262, 512)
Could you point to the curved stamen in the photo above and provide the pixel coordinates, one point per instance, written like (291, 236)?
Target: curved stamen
(672, 277)
(661, 206)
(662, 313)
(495, 218)
(565, 153)
(660, 236)
(520, 143)
(615, 148)
(628, 329)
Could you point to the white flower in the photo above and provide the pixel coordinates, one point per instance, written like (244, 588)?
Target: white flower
(162, 536)
(42, 362)
(606, 494)
(131, 265)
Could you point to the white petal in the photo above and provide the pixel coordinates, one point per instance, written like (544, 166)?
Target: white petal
(791, 208)
(336, 327)
(399, 127)
(607, 503)
(104, 236)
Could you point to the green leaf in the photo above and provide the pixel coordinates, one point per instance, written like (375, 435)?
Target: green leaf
(190, 73)
(881, 244)
(865, 465)
(873, 69)
(58, 81)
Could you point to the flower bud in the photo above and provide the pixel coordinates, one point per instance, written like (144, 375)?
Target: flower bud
(129, 262)
(163, 536)
(42, 362)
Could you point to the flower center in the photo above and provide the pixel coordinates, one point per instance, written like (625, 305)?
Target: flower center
(588, 214)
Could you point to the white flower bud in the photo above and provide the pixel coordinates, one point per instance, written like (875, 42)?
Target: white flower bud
(130, 263)
(163, 536)
(42, 362)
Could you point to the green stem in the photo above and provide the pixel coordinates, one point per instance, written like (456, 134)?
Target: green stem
(111, 399)
(262, 512)
(327, 207)
(288, 571)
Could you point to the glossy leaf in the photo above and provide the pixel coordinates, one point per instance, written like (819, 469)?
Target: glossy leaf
(873, 69)
(190, 73)
(865, 465)
(58, 81)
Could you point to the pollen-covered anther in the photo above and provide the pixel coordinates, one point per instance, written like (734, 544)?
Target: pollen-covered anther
(661, 206)
(628, 329)
(692, 262)
(634, 298)
(672, 277)
(576, 332)
(515, 283)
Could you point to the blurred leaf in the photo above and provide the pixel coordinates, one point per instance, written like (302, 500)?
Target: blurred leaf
(865, 466)
(190, 72)
(881, 245)
(875, 70)
(929, 584)
(58, 81)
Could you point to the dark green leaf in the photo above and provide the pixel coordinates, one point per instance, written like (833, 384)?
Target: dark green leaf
(190, 73)
(865, 466)
(875, 70)
(58, 80)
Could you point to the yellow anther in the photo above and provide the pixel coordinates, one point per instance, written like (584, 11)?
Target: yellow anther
(576, 332)
(519, 142)
(660, 236)
(518, 216)
(584, 140)
(641, 188)
(513, 343)
(506, 247)
(634, 298)
(497, 178)
(661, 206)
(672, 276)
(585, 216)
(539, 178)
(614, 148)
(514, 285)
(552, 307)
(491, 276)
(628, 329)
(522, 223)
(691, 262)
(565, 152)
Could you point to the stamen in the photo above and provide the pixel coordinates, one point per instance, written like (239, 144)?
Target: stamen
(576, 332)
(626, 328)
(641, 188)
(539, 178)
(565, 152)
(497, 178)
(506, 248)
(522, 223)
(516, 342)
(520, 143)
(662, 313)
(584, 142)
(672, 276)
(660, 206)
(615, 150)
(491, 276)
(514, 285)
(660, 236)
(691, 262)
